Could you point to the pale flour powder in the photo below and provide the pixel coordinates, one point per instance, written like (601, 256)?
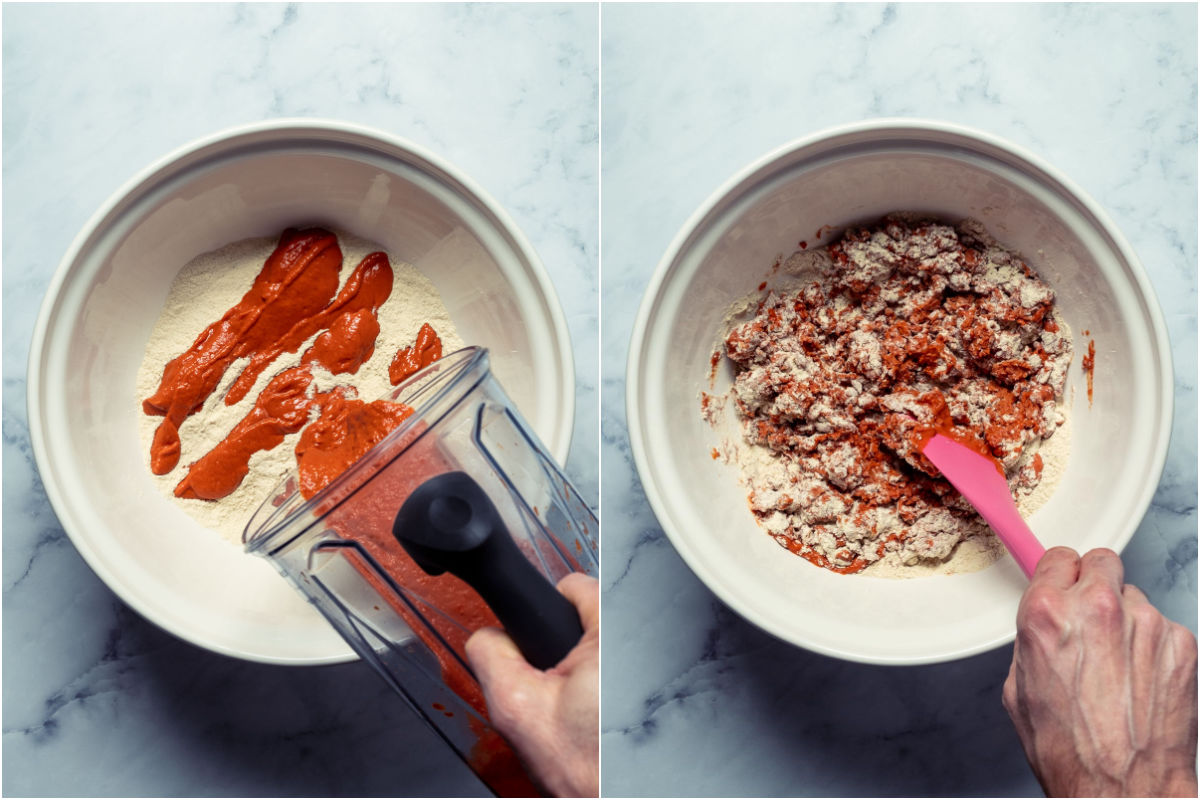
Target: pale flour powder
(205, 289)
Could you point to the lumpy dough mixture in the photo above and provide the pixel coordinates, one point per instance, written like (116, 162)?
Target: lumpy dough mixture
(898, 330)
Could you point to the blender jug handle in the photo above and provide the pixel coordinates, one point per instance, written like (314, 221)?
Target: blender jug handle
(449, 524)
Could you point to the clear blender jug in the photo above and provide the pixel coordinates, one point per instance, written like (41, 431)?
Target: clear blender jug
(464, 454)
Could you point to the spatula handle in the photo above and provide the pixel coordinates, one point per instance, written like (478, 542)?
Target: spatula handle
(981, 481)
(1011, 528)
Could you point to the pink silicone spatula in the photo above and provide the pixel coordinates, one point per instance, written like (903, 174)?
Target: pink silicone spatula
(979, 479)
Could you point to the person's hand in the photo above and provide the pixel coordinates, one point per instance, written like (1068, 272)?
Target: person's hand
(1102, 688)
(551, 718)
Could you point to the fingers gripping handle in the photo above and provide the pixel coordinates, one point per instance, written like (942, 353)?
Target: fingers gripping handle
(449, 524)
(541, 621)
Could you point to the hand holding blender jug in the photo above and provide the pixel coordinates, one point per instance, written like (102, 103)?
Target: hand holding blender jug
(458, 519)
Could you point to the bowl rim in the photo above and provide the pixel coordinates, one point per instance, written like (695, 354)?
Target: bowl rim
(312, 129)
(911, 129)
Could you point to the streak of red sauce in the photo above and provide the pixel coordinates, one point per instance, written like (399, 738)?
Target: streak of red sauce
(281, 408)
(351, 322)
(1089, 366)
(803, 245)
(347, 345)
(762, 286)
(426, 350)
(297, 281)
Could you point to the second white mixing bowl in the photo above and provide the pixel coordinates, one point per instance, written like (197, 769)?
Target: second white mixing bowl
(856, 174)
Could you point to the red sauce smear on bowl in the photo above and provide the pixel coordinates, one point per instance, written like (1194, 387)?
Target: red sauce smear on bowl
(1089, 366)
(714, 363)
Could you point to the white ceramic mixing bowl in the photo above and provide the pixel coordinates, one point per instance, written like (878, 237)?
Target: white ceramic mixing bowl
(111, 286)
(855, 174)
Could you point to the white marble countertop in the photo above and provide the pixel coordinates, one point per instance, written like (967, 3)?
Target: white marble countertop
(697, 701)
(97, 701)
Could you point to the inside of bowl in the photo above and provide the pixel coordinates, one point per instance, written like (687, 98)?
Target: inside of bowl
(1115, 437)
(160, 560)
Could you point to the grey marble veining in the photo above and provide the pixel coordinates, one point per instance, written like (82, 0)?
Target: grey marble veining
(97, 701)
(696, 701)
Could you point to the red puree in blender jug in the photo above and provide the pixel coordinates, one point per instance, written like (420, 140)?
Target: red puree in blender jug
(367, 518)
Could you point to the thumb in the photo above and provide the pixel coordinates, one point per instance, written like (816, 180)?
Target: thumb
(494, 656)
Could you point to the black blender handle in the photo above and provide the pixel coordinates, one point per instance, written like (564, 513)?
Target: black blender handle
(449, 524)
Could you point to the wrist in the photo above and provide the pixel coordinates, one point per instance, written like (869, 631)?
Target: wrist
(1168, 782)
(1181, 783)
(1178, 782)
